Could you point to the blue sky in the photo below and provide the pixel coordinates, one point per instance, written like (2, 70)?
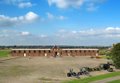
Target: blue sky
(59, 22)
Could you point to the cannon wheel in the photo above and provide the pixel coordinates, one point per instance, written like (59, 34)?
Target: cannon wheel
(69, 75)
(74, 74)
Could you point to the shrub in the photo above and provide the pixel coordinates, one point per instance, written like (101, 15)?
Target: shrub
(116, 55)
(98, 57)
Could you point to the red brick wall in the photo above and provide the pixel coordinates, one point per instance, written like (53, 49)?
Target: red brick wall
(52, 53)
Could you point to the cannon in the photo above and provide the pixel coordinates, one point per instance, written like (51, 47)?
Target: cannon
(84, 71)
(106, 67)
(71, 73)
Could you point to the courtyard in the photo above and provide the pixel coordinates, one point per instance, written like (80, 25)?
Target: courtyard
(43, 69)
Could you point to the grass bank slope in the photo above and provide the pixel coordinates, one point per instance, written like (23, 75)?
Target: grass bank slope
(94, 78)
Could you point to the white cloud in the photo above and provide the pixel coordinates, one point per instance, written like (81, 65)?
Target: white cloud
(13, 37)
(31, 16)
(19, 3)
(25, 33)
(89, 5)
(74, 32)
(105, 33)
(51, 16)
(6, 21)
(61, 17)
(112, 29)
(12, 1)
(43, 36)
(66, 3)
(62, 37)
(25, 4)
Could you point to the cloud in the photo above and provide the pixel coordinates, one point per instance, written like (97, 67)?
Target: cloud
(25, 5)
(61, 17)
(19, 3)
(6, 21)
(109, 32)
(13, 33)
(12, 1)
(73, 37)
(31, 16)
(106, 36)
(51, 16)
(89, 5)
(25, 33)
(66, 3)
(43, 36)
(14, 37)
(113, 29)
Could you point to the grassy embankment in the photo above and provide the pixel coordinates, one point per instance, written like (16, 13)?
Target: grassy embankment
(4, 53)
(94, 78)
(115, 81)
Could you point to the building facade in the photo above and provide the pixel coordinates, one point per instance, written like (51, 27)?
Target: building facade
(55, 51)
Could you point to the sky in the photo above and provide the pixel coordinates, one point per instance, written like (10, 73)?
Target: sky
(60, 22)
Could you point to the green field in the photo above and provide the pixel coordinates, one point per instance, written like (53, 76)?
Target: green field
(95, 78)
(115, 81)
(4, 53)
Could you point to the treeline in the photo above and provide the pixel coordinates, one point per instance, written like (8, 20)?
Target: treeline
(51, 46)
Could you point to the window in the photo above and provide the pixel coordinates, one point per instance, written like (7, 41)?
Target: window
(34, 51)
(66, 51)
(14, 51)
(19, 51)
(84, 51)
(39, 51)
(49, 51)
(44, 51)
(24, 51)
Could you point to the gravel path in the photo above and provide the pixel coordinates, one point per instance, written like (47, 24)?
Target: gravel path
(107, 80)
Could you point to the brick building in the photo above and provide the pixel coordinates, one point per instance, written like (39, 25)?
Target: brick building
(55, 51)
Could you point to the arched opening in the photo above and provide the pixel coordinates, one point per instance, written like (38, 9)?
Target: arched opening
(55, 51)
(55, 55)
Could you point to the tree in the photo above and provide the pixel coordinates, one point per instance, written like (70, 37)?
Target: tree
(104, 52)
(116, 55)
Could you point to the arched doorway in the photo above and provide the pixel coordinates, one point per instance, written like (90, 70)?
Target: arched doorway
(56, 51)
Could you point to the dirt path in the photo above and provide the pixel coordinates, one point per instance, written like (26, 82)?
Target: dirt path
(107, 80)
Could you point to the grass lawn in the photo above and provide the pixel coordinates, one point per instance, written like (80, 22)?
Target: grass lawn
(4, 53)
(94, 78)
(115, 81)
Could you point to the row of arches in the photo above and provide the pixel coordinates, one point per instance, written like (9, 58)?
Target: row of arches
(49, 52)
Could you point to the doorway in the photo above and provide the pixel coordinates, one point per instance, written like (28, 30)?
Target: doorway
(55, 55)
